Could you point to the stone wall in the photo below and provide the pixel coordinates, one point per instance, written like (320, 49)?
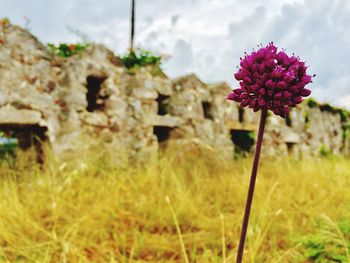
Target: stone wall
(92, 94)
(28, 82)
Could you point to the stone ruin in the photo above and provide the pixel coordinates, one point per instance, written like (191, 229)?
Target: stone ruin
(58, 100)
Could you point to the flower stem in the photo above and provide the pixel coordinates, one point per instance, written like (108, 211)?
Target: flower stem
(251, 186)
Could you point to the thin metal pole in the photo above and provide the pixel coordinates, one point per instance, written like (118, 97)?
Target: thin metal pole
(251, 186)
(132, 25)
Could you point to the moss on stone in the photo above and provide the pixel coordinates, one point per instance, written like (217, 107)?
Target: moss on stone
(311, 103)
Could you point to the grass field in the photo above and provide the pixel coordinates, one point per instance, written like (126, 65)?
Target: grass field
(185, 208)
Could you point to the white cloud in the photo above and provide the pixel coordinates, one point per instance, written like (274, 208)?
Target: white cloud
(182, 61)
(174, 20)
(344, 102)
(208, 36)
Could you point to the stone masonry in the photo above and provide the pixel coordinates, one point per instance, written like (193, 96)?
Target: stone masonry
(61, 100)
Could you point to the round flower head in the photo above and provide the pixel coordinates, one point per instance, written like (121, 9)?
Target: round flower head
(271, 80)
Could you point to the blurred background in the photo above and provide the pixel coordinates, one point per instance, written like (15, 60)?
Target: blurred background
(205, 36)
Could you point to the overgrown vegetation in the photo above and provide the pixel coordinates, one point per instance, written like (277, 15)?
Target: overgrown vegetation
(8, 145)
(140, 58)
(344, 115)
(89, 210)
(325, 151)
(311, 103)
(330, 243)
(306, 115)
(345, 119)
(327, 107)
(67, 50)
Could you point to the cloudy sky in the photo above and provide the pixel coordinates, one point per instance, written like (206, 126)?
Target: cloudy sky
(206, 36)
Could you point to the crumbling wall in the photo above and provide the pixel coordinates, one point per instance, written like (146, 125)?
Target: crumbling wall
(192, 102)
(94, 98)
(308, 131)
(143, 89)
(187, 103)
(324, 130)
(142, 111)
(29, 82)
(225, 116)
(346, 145)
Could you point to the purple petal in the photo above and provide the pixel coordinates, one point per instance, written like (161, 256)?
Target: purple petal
(278, 95)
(261, 102)
(281, 85)
(305, 92)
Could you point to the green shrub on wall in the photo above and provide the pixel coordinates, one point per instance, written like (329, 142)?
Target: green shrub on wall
(66, 50)
(344, 115)
(325, 151)
(312, 103)
(346, 129)
(140, 58)
(328, 108)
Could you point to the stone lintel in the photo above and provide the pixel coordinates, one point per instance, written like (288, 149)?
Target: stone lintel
(166, 120)
(14, 117)
(235, 125)
(291, 137)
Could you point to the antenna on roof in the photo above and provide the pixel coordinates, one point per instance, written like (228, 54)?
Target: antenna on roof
(132, 25)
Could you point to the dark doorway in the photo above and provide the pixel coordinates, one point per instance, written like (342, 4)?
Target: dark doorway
(243, 141)
(24, 137)
(290, 148)
(162, 133)
(163, 104)
(95, 100)
(207, 110)
(240, 115)
(288, 121)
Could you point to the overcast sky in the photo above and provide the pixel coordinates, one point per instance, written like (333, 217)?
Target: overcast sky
(206, 36)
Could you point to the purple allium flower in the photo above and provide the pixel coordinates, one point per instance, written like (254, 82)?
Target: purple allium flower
(271, 80)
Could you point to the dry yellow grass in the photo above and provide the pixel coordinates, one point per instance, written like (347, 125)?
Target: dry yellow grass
(184, 208)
